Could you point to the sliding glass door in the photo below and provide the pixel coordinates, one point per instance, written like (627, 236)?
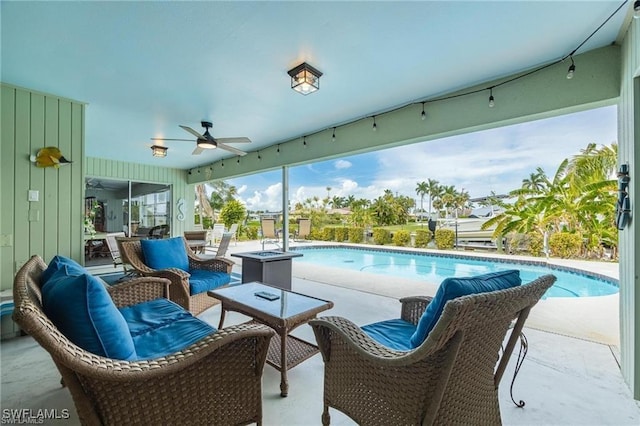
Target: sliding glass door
(134, 208)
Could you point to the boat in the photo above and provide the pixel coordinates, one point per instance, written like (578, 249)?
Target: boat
(470, 228)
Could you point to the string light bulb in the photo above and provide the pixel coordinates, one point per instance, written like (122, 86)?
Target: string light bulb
(423, 115)
(259, 156)
(636, 9)
(304, 141)
(572, 69)
(333, 137)
(375, 127)
(278, 150)
(492, 101)
(238, 160)
(222, 164)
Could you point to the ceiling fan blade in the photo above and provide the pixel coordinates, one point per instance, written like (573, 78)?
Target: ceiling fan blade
(165, 139)
(193, 132)
(233, 140)
(229, 148)
(197, 151)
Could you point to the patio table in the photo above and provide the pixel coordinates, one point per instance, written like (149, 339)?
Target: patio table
(285, 313)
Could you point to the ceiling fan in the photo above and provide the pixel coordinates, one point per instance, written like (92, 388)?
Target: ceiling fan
(206, 141)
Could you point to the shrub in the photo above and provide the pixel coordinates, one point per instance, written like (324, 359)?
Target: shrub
(401, 238)
(423, 236)
(381, 236)
(565, 245)
(536, 244)
(328, 234)
(445, 239)
(356, 235)
(251, 232)
(315, 234)
(341, 234)
(232, 212)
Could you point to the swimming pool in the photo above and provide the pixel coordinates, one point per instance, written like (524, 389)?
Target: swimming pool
(434, 268)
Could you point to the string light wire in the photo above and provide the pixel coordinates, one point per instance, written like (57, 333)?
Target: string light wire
(484, 89)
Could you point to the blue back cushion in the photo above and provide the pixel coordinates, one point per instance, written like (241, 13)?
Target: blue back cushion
(80, 306)
(57, 264)
(451, 288)
(163, 254)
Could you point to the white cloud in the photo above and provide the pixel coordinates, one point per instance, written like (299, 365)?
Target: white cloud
(242, 189)
(342, 164)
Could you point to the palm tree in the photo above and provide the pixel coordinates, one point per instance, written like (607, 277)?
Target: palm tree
(536, 181)
(422, 189)
(204, 207)
(448, 198)
(433, 189)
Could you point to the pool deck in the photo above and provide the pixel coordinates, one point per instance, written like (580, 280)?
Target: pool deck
(591, 318)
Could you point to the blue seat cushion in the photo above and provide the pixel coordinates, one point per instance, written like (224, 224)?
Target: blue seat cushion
(395, 333)
(202, 280)
(58, 263)
(163, 254)
(160, 327)
(451, 288)
(82, 309)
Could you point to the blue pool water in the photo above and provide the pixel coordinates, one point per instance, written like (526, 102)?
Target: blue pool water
(434, 268)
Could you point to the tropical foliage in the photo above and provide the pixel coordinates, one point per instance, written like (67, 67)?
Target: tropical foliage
(579, 199)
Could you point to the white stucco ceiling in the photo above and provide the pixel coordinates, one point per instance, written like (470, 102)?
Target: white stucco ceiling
(146, 67)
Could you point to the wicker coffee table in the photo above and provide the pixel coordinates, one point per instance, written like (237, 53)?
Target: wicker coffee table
(286, 312)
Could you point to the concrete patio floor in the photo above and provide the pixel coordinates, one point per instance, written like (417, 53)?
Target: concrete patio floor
(563, 381)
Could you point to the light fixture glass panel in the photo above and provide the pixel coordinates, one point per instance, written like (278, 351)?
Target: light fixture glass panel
(305, 79)
(159, 151)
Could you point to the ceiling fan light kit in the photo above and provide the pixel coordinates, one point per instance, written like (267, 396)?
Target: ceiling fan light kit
(305, 79)
(206, 141)
(159, 150)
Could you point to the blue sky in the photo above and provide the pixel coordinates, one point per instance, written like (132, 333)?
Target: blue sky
(491, 160)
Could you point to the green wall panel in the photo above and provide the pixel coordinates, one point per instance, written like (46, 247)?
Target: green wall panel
(7, 190)
(628, 152)
(53, 224)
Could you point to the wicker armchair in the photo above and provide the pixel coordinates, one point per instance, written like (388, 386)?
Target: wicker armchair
(451, 378)
(179, 290)
(217, 380)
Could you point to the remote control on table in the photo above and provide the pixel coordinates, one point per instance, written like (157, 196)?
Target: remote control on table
(267, 295)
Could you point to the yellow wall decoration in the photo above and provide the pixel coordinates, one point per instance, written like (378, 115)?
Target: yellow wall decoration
(50, 157)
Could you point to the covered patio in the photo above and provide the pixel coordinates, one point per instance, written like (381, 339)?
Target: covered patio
(81, 77)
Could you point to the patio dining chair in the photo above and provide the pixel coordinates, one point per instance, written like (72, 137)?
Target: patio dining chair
(197, 240)
(114, 249)
(381, 375)
(269, 233)
(304, 229)
(234, 233)
(218, 230)
(223, 246)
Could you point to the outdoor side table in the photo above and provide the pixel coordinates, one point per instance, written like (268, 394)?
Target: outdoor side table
(269, 267)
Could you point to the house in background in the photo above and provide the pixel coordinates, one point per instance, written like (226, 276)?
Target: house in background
(99, 80)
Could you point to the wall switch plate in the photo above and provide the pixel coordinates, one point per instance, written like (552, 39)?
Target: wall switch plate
(34, 195)
(6, 240)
